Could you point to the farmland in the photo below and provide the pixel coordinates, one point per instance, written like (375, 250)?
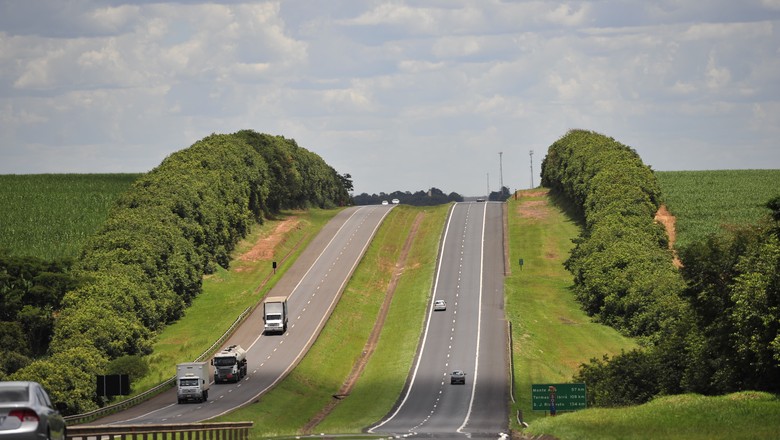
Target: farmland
(49, 216)
(705, 201)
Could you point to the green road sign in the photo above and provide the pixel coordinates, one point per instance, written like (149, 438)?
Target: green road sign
(555, 397)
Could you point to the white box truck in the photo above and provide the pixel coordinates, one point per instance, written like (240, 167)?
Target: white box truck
(229, 364)
(275, 314)
(192, 381)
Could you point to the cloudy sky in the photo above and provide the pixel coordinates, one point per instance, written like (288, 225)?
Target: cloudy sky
(403, 95)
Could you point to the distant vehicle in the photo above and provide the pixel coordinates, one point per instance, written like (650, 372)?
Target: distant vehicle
(439, 305)
(27, 413)
(458, 377)
(275, 314)
(192, 381)
(384, 202)
(229, 364)
(396, 201)
(480, 200)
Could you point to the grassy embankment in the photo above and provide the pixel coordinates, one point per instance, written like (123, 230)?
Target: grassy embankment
(551, 335)
(286, 409)
(49, 216)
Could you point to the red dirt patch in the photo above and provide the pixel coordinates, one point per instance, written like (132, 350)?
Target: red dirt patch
(535, 209)
(264, 247)
(666, 218)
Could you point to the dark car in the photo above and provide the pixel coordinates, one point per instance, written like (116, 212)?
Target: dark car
(458, 377)
(27, 413)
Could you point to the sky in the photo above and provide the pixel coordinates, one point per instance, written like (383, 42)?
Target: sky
(405, 95)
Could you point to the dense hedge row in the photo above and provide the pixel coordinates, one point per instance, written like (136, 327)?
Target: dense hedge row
(711, 328)
(175, 224)
(623, 270)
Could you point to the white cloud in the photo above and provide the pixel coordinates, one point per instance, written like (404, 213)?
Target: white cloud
(117, 88)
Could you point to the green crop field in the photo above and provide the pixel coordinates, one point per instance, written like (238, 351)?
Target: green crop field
(705, 201)
(49, 216)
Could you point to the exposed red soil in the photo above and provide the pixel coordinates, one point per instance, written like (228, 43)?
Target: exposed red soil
(264, 248)
(666, 218)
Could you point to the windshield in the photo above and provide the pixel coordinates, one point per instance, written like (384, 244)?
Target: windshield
(188, 382)
(274, 317)
(224, 361)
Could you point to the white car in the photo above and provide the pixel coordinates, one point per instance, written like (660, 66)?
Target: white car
(439, 305)
(396, 201)
(384, 202)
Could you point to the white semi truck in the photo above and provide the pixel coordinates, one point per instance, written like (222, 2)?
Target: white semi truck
(229, 364)
(192, 381)
(275, 314)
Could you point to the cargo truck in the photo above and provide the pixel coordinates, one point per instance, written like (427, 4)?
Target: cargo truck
(229, 364)
(275, 314)
(192, 381)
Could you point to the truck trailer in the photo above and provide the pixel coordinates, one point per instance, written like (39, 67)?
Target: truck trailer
(275, 314)
(192, 381)
(229, 364)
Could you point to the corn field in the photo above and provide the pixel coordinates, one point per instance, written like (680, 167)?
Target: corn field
(704, 202)
(49, 216)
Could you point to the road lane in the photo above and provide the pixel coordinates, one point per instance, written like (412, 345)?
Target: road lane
(314, 284)
(469, 336)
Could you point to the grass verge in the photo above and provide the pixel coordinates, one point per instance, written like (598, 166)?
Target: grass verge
(745, 415)
(551, 335)
(288, 407)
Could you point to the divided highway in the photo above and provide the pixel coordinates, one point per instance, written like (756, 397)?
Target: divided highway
(470, 335)
(313, 284)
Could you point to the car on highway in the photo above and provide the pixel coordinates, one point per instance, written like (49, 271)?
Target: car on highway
(26, 412)
(396, 201)
(458, 377)
(439, 305)
(384, 202)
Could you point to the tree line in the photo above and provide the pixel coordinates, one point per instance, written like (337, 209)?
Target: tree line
(710, 327)
(144, 266)
(432, 197)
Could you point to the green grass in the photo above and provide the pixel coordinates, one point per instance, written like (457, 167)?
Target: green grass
(384, 377)
(745, 415)
(551, 335)
(230, 292)
(50, 216)
(309, 388)
(705, 201)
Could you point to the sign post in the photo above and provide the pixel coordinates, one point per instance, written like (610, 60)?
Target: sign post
(556, 397)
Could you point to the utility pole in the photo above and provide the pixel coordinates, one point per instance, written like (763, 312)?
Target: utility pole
(532, 168)
(500, 173)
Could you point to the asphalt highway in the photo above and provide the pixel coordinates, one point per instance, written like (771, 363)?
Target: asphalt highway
(470, 335)
(313, 285)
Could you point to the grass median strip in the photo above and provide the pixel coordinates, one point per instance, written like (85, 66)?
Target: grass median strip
(286, 409)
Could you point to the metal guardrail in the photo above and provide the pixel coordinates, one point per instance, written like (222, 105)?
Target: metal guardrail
(179, 431)
(148, 394)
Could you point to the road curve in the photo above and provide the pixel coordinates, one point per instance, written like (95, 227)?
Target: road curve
(314, 284)
(470, 335)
